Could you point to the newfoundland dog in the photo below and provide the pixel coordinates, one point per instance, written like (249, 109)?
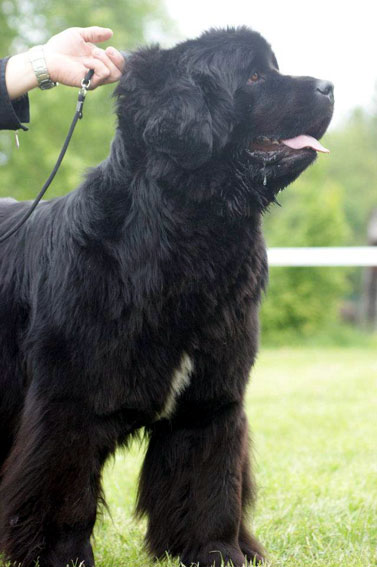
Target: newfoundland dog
(132, 303)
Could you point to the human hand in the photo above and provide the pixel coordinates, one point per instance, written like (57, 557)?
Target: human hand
(70, 54)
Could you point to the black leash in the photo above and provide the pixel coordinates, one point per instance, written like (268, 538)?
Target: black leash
(85, 83)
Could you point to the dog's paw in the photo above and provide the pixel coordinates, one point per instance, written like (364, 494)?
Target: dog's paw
(214, 554)
(252, 551)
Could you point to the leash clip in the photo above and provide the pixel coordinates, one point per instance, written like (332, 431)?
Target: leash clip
(81, 98)
(85, 84)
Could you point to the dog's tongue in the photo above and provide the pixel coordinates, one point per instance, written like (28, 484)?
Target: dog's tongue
(304, 141)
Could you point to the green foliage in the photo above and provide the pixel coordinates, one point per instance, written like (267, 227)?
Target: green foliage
(300, 301)
(32, 20)
(329, 205)
(353, 164)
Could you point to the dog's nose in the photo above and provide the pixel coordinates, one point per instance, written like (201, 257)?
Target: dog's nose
(325, 88)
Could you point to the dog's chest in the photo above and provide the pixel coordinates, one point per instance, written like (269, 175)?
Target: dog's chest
(180, 380)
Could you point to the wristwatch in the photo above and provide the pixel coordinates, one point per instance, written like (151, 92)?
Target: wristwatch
(38, 62)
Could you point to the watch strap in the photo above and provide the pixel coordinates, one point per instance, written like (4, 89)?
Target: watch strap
(38, 62)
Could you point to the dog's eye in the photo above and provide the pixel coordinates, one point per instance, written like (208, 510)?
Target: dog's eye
(254, 78)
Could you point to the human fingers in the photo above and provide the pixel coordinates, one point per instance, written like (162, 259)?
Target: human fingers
(115, 73)
(116, 57)
(101, 71)
(95, 34)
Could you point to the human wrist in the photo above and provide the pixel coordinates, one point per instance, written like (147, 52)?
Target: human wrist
(19, 76)
(53, 60)
(37, 57)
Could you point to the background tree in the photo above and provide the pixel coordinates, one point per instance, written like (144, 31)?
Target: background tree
(329, 205)
(300, 302)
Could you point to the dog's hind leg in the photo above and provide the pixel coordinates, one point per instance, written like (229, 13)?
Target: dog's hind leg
(51, 484)
(191, 485)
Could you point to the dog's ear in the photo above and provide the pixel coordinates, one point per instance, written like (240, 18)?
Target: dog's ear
(180, 125)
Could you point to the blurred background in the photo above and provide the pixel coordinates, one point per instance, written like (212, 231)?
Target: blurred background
(334, 203)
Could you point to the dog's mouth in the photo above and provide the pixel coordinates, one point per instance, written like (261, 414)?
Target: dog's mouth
(272, 146)
(276, 161)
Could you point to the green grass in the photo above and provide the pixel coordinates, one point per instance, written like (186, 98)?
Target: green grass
(313, 413)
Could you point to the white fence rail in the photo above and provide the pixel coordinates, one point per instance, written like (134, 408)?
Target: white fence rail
(323, 256)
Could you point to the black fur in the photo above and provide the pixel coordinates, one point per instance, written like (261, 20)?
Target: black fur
(156, 258)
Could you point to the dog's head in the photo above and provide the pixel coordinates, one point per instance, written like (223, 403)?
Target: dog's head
(218, 107)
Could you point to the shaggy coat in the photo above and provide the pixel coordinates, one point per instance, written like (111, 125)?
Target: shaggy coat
(133, 302)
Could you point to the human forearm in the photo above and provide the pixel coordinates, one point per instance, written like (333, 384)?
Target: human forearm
(19, 76)
(13, 113)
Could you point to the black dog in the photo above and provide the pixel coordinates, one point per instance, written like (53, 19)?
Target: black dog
(133, 302)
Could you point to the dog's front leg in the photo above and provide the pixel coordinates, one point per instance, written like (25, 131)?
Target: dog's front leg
(51, 484)
(191, 485)
(196, 485)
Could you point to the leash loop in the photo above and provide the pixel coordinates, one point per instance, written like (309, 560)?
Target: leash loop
(85, 83)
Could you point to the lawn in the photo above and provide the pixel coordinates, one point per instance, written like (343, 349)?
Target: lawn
(313, 413)
(314, 417)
